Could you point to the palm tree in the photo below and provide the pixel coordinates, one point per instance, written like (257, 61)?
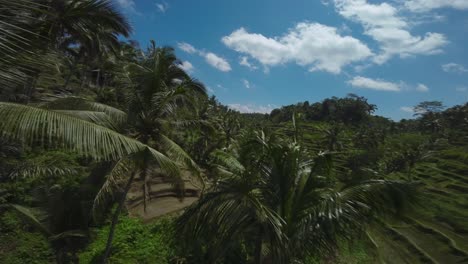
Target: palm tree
(81, 21)
(80, 131)
(20, 43)
(277, 200)
(34, 31)
(160, 90)
(87, 30)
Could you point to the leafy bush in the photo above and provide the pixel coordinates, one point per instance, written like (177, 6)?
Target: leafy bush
(133, 242)
(19, 244)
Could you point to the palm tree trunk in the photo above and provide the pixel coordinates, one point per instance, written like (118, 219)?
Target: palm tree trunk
(258, 247)
(32, 87)
(115, 219)
(144, 176)
(70, 74)
(98, 77)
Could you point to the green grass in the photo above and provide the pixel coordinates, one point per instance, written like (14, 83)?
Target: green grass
(134, 242)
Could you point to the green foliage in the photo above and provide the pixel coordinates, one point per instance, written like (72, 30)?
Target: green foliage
(64, 62)
(134, 242)
(19, 244)
(351, 110)
(286, 200)
(349, 252)
(460, 154)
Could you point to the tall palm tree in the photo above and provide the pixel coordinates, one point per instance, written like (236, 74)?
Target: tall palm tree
(33, 31)
(81, 20)
(87, 133)
(277, 200)
(160, 89)
(20, 42)
(87, 30)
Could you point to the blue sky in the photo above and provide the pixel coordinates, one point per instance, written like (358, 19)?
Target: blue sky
(256, 55)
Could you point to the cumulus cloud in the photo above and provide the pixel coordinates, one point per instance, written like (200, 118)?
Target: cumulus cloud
(251, 108)
(461, 89)
(244, 61)
(246, 83)
(427, 5)
(382, 23)
(217, 62)
(187, 66)
(209, 89)
(212, 59)
(162, 7)
(374, 84)
(128, 5)
(422, 88)
(186, 47)
(453, 67)
(312, 45)
(407, 109)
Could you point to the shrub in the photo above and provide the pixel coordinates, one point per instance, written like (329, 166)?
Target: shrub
(134, 242)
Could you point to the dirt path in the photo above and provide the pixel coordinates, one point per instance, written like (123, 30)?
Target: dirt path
(164, 198)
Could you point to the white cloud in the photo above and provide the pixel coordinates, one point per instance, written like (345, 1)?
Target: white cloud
(222, 87)
(251, 108)
(211, 58)
(312, 45)
(128, 5)
(246, 83)
(162, 7)
(407, 109)
(186, 47)
(461, 89)
(422, 88)
(245, 62)
(209, 89)
(427, 5)
(187, 66)
(217, 62)
(379, 85)
(382, 23)
(453, 67)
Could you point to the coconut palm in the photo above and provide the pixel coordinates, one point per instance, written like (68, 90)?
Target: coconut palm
(81, 20)
(276, 199)
(78, 131)
(20, 42)
(32, 31)
(160, 90)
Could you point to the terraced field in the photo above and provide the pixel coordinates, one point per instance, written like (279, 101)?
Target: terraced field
(438, 231)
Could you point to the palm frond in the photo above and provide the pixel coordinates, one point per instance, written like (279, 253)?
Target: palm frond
(228, 161)
(30, 216)
(114, 182)
(29, 124)
(34, 170)
(176, 153)
(99, 118)
(69, 234)
(382, 197)
(19, 41)
(78, 103)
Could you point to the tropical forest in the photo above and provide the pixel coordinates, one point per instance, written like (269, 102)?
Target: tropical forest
(114, 148)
